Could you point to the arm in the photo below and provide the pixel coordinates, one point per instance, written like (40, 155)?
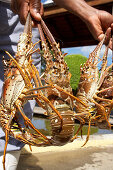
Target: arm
(97, 21)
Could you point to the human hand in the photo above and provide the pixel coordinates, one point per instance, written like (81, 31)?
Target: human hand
(99, 23)
(22, 7)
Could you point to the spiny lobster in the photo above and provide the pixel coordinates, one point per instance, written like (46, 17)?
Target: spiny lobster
(19, 74)
(95, 90)
(56, 88)
(57, 75)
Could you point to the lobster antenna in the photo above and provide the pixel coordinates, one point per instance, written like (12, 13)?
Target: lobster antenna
(28, 24)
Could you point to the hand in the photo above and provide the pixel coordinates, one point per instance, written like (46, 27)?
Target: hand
(98, 23)
(22, 7)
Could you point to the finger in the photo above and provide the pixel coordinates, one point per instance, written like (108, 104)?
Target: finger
(23, 13)
(100, 37)
(21, 8)
(35, 6)
(112, 26)
(14, 6)
(110, 44)
(108, 36)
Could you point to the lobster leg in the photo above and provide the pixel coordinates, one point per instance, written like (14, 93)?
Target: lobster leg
(82, 122)
(106, 89)
(102, 109)
(46, 100)
(101, 99)
(75, 136)
(30, 52)
(7, 128)
(28, 121)
(58, 88)
(37, 75)
(89, 127)
(37, 81)
(73, 97)
(104, 74)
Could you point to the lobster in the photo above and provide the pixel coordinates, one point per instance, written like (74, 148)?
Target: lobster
(59, 94)
(56, 88)
(19, 74)
(95, 89)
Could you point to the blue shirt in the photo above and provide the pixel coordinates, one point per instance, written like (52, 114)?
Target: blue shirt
(10, 29)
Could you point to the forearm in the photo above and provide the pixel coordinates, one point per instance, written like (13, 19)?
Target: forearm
(77, 7)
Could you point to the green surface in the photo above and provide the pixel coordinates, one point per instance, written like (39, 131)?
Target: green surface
(85, 129)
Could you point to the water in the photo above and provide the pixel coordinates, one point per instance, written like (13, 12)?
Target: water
(40, 123)
(105, 131)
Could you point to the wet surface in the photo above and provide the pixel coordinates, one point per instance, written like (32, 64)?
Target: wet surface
(40, 123)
